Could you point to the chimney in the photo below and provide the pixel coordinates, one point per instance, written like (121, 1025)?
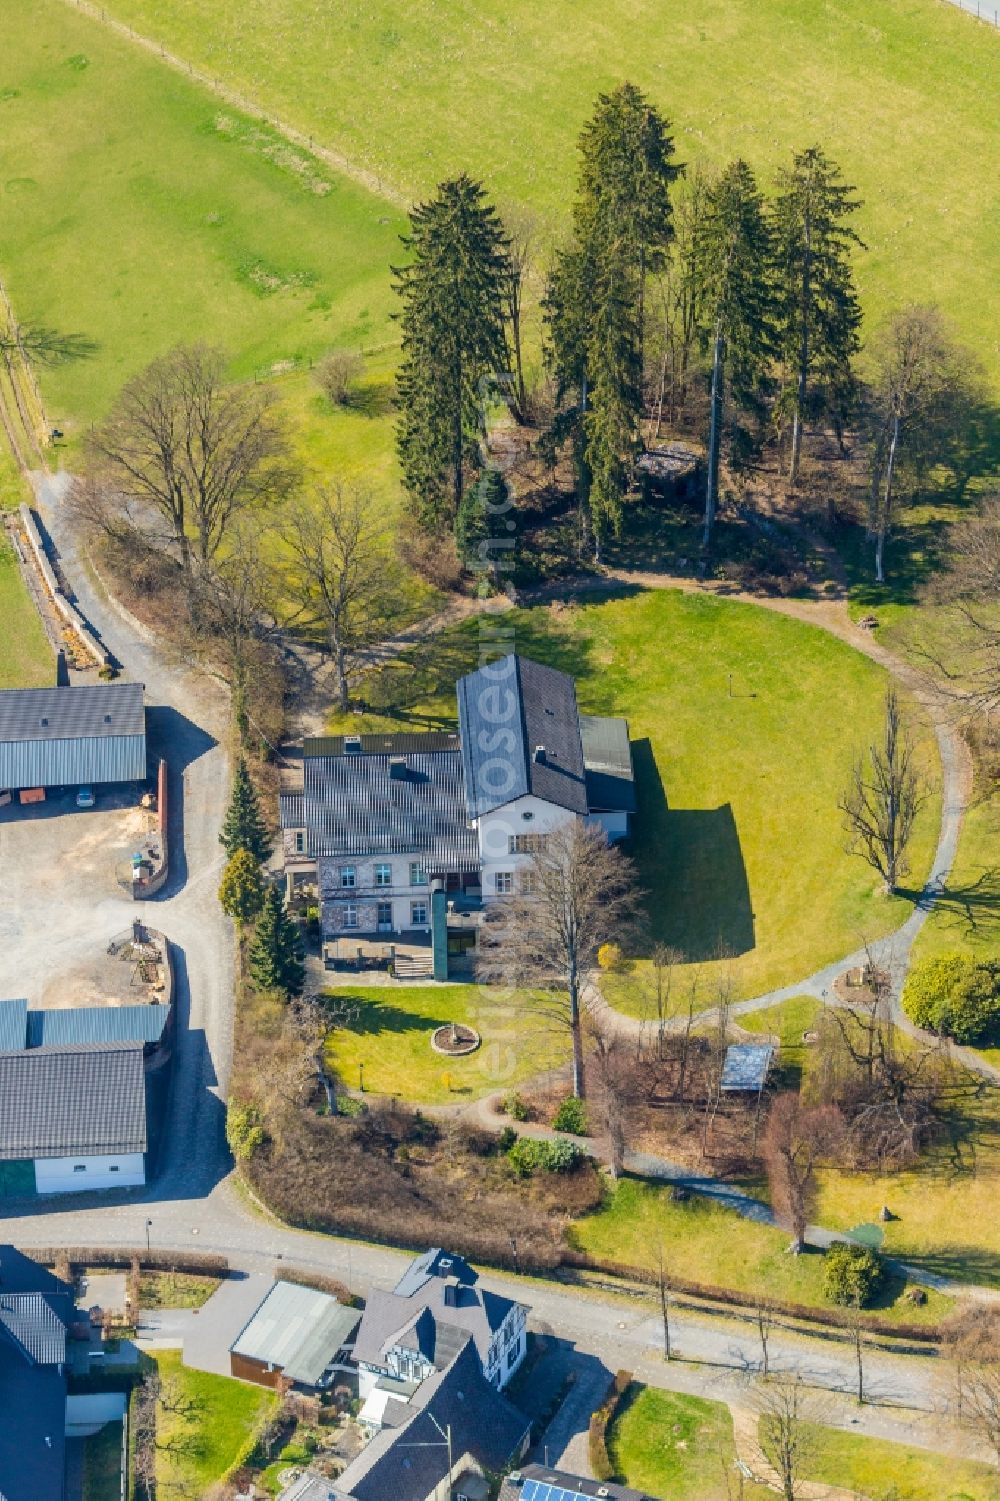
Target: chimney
(451, 1293)
(539, 756)
(397, 768)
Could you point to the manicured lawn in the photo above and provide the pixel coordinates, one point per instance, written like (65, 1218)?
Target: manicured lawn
(875, 1467)
(391, 1040)
(670, 1446)
(895, 94)
(225, 1413)
(738, 840)
(26, 659)
(704, 1242)
(102, 1464)
(140, 211)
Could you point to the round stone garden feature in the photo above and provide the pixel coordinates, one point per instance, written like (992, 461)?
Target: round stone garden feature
(455, 1040)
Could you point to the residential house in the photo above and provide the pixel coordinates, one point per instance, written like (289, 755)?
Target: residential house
(435, 1309)
(72, 1118)
(407, 835)
(66, 737)
(539, 1483)
(454, 1432)
(297, 1338)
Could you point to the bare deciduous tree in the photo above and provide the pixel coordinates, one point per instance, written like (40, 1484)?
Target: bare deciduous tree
(765, 1313)
(973, 1343)
(797, 1138)
(337, 374)
(191, 447)
(342, 575)
(885, 795)
(582, 894)
(230, 604)
(522, 253)
(785, 1434)
(615, 1071)
(970, 585)
(663, 1284)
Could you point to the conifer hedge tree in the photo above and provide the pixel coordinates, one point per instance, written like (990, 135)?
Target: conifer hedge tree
(243, 827)
(452, 289)
(276, 950)
(241, 890)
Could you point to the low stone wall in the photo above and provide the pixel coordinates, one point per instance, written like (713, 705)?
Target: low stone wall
(147, 886)
(81, 627)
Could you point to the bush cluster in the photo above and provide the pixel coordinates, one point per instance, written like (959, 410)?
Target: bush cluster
(954, 995)
(516, 1106)
(852, 1275)
(571, 1116)
(245, 1131)
(528, 1156)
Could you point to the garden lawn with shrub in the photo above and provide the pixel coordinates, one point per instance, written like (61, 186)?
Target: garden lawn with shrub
(391, 1040)
(102, 1464)
(674, 1447)
(876, 1467)
(706, 1243)
(224, 1416)
(738, 841)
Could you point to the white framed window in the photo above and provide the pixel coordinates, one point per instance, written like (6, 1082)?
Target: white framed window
(383, 917)
(418, 876)
(300, 841)
(383, 875)
(525, 844)
(348, 877)
(527, 882)
(504, 882)
(350, 915)
(418, 914)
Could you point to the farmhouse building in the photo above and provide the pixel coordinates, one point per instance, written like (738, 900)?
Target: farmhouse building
(409, 834)
(64, 737)
(72, 1118)
(298, 1337)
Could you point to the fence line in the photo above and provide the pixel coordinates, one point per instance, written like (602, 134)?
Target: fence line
(988, 13)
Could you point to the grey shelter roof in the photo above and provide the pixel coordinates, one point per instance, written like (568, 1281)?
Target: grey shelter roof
(538, 1483)
(52, 737)
(746, 1065)
(298, 1329)
(383, 805)
(13, 1025)
(520, 734)
(410, 1461)
(88, 1099)
(72, 1024)
(607, 757)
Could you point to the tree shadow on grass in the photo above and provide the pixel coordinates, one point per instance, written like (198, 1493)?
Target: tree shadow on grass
(373, 1017)
(692, 870)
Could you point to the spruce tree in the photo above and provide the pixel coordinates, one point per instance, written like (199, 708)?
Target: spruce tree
(595, 305)
(818, 312)
(483, 543)
(452, 291)
(241, 890)
(275, 953)
(737, 308)
(243, 827)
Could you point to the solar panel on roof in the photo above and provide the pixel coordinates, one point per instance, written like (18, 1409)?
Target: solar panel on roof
(540, 1490)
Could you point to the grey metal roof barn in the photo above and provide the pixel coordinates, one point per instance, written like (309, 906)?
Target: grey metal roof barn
(298, 1329)
(13, 1025)
(60, 737)
(72, 1024)
(520, 731)
(88, 1099)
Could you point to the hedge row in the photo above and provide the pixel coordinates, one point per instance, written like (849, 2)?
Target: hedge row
(832, 1317)
(198, 1263)
(600, 1461)
(316, 1280)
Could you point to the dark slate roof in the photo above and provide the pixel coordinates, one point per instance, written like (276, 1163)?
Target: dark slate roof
(435, 1308)
(378, 805)
(100, 709)
(33, 1429)
(746, 1066)
(13, 1025)
(436, 1262)
(410, 1461)
(539, 1483)
(71, 1024)
(607, 757)
(520, 734)
(407, 743)
(87, 1099)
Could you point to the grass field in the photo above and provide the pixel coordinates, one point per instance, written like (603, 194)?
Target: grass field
(26, 659)
(194, 1453)
(876, 1467)
(898, 96)
(391, 1039)
(102, 1464)
(738, 840)
(674, 1447)
(704, 1242)
(140, 211)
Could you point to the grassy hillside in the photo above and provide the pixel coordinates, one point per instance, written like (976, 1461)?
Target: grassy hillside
(138, 210)
(899, 93)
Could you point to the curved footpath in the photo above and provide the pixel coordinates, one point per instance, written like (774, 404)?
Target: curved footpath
(196, 1203)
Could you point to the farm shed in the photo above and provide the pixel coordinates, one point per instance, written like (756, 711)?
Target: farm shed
(65, 737)
(298, 1334)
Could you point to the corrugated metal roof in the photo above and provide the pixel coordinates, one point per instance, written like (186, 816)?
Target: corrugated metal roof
(88, 1099)
(291, 810)
(298, 1329)
(13, 1025)
(746, 1066)
(72, 1024)
(520, 732)
(360, 805)
(60, 737)
(35, 1327)
(607, 757)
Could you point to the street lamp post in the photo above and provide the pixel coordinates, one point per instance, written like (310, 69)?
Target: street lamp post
(149, 1224)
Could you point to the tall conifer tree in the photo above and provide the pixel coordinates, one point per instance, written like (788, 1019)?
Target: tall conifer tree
(452, 291)
(275, 953)
(818, 311)
(243, 827)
